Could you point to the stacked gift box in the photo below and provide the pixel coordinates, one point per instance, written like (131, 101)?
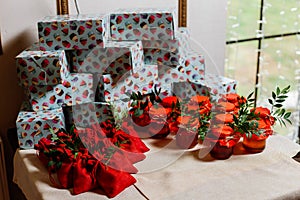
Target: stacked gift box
(45, 73)
(84, 66)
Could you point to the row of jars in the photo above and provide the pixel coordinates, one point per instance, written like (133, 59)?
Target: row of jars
(188, 122)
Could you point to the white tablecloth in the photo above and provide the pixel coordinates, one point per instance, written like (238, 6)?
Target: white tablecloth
(272, 174)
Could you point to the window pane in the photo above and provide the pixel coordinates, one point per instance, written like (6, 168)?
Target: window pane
(240, 64)
(280, 67)
(242, 17)
(281, 16)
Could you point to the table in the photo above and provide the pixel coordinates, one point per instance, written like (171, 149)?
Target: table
(272, 174)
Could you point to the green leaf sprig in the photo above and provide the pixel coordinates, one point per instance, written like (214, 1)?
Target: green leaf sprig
(246, 121)
(280, 114)
(141, 101)
(204, 125)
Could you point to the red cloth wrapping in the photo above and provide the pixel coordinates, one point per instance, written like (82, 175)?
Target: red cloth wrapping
(65, 174)
(113, 181)
(120, 162)
(133, 157)
(114, 157)
(131, 147)
(99, 156)
(84, 174)
(129, 142)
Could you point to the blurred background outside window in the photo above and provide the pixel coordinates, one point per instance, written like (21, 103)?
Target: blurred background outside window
(263, 51)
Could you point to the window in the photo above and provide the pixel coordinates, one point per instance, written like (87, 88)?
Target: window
(263, 51)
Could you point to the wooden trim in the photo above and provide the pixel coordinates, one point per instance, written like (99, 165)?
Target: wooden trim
(1, 51)
(3, 173)
(182, 13)
(62, 7)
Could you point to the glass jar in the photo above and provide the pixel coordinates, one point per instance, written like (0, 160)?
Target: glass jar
(223, 139)
(254, 144)
(159, 129)
(220, 151)
(186, 139)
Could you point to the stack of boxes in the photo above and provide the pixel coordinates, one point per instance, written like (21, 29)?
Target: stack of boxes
(83, 66)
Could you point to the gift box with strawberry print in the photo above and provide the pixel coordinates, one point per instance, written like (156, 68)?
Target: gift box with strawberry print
(142, 81)
(87, 114)
(76, 89)
(213, 85)
(35, 67)
(71, 32)
(142, 24)
(32, 126)
(167, 52)
(191, 68)
(114, 58)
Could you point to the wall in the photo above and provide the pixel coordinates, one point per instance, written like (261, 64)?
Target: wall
(206, 19)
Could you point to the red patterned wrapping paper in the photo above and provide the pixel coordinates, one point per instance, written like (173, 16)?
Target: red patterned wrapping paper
(36, 67)
(32, 126)
(77, 89)
(142, 24)
(69, 32)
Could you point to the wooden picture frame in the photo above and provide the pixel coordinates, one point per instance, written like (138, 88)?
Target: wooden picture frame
(62, 7)
(182, 13)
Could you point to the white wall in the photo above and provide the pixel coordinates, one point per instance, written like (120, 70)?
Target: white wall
(206, 20)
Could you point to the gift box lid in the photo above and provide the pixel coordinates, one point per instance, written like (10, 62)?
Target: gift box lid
(213, 79)
(142, 24)
(38, 115)
(72, 31)
(67, 18)
(34, 51)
